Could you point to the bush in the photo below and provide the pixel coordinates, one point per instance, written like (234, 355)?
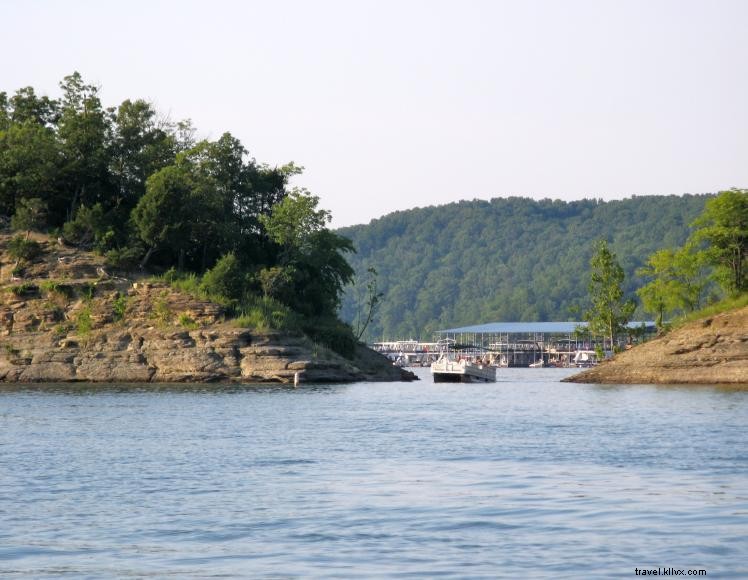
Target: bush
(265, 314)
(22, 249)
(333, 333)
(186, 321)
(119, 307)
(124, 259)
(83, 322)
(89, 228)
(224, 279)
(55, 287)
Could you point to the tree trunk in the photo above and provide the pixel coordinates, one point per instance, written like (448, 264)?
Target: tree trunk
(147, 257)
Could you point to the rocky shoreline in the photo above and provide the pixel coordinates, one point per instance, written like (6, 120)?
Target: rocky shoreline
(712, 351)
(66, 322)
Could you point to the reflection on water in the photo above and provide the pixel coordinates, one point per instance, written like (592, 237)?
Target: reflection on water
(525, 477)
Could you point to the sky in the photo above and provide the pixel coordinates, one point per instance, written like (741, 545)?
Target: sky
(390, 105)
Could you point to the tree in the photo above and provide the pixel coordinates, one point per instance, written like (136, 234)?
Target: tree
(140, 146)
(609, 312)
(308, 251)
(29, 166)
(31, 214)
(83, 130)
(370, 302)
(677, 282)
(163, 213)
(294, 220)
(723, 228)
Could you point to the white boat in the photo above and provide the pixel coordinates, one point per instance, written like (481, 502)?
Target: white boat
(539, 364)
(447, 370)
(585, 358)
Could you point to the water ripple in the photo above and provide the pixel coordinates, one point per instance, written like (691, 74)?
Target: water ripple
(528, 477)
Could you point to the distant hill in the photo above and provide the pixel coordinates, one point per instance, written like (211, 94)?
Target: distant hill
(508, 259)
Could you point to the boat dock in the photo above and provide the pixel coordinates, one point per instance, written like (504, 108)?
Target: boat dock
(511, 344)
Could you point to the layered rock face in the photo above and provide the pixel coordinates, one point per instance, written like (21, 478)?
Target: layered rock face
(73, 322)
(710, 351)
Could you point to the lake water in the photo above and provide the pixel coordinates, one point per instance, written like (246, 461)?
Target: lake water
(527, 477)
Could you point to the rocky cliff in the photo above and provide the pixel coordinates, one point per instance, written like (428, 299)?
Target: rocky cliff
(710, 351)
(65, 319)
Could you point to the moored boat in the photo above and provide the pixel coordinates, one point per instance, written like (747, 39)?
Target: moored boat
(447, 370)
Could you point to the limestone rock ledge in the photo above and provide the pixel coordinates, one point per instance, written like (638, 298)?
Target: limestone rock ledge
(709, 351)
(219, 354)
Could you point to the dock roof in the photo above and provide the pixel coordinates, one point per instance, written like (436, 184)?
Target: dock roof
(528, 327)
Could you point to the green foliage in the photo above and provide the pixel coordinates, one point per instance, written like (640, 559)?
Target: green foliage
(333, 333)
(225, 279)
(186, 321)
(119, 307)
(124, 259)
(677, 282)
(508, 259)
(56, 287)
(84, 322)
(144, 192)
(162, 311)
(24, 289)
(277, 282)
(729, 303)
(264, 313)
(295, 220)
(31, 214)
(89, 229)
(23, 249)
(609, 312)
(370, 299)
(723, 229)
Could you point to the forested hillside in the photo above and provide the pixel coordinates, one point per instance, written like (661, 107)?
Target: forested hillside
(508, 259)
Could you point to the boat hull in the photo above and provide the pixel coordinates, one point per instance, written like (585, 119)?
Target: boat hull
(449, 371)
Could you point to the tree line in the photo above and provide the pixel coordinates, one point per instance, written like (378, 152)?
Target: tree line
(144, 191)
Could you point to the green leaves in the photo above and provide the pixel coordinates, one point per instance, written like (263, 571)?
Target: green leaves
(609, 312)
(723, 229)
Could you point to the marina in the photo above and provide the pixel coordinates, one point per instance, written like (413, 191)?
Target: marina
(512, 344)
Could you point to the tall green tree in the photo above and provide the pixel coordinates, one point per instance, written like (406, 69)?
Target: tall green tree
(723, 229)
(677, 282)
(84, 130)
(610, 311)
(311, 255)
(29, 165)
(163, 215)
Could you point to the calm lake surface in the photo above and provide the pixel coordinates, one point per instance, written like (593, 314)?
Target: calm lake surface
(527, 477)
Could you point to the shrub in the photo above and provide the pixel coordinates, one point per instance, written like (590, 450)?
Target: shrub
(225, 278)
(266, 314)
(83, 322)
(186, 321)
(119, 307)
(161, 310)
(23, 289)
(55, 287)
(124, 259)
(333, 333)
(22, 249)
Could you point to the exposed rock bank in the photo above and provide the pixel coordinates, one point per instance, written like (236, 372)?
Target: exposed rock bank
(67, 320)
(710, 351)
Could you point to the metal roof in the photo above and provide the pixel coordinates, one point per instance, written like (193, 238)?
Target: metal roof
(528, 327)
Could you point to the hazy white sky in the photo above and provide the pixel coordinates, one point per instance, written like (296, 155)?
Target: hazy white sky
(396, 104)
